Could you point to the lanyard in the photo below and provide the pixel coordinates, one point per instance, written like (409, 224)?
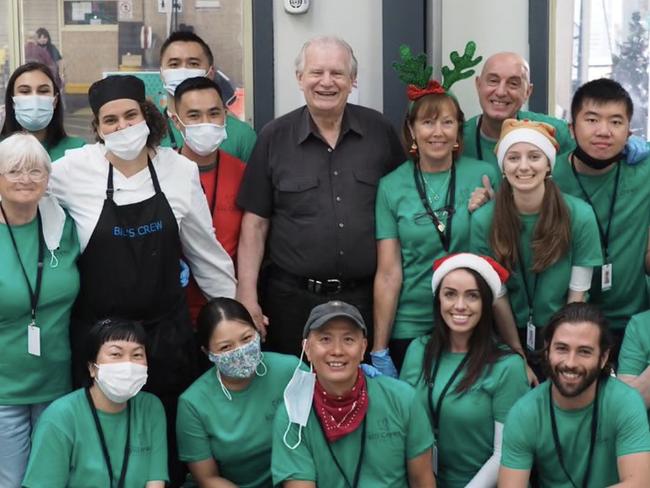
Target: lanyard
(435, 413)
(604, 233)
(214, 188)
(592, 441)
(477, 138)
(33, 293)
(170, 131)
(357, 472)
(102, 439)
(530, 292)
(450, 199)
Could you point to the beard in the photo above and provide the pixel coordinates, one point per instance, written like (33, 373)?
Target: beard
(571, 391)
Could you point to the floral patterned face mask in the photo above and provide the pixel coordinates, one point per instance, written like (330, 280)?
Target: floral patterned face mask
(240, 362)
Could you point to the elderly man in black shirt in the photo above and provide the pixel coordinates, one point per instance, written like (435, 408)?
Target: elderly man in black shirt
(310, 188)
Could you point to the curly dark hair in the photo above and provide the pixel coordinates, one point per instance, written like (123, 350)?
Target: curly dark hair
(154, 119)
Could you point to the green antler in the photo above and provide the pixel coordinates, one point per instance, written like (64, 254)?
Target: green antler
(461, 63)
(413, 69)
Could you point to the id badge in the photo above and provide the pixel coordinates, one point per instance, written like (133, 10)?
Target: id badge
(530, 335)
(606, 277)
(434, 459)
(33, 339)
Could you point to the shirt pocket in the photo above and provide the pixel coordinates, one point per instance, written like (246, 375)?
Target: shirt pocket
(298, 197)
(366, 188)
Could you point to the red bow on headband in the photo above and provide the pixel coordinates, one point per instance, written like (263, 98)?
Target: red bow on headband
(414, 92)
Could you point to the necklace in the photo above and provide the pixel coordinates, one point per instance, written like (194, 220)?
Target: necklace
(345, 417)
(432, 195)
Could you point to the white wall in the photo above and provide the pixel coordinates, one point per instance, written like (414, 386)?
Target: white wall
(356, 21)
(495, 25)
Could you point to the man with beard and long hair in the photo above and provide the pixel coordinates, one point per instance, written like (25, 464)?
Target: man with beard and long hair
(581, 427)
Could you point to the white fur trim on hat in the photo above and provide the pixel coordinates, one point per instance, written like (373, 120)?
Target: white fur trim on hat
(525, 134)
(473, 262)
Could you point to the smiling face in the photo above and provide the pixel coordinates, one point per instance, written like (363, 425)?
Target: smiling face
(503, 86)
(23, 184)
(460, 303)
(326, 80)
(335, 351)
(436, 134)
(119, 352)
(601, 129)
(574, 358)
(526, 167)
(118, 114)
(229, 335)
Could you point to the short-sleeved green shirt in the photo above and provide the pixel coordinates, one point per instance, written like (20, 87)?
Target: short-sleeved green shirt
(399, 214)
(622, 430)
(628, 239)
(239, 143)
(68, 142)
(25, 378)
(562, 134)
(235, 433)
(66, 451)
(634, 357)
(550, 288)
(465, 437)
(397, 430)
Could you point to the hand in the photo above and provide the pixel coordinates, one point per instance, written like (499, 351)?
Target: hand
(481, 195)
(532, 377)
(370, 371)
(384, 363)
(185, 274)
(636, 150)
(260, 320)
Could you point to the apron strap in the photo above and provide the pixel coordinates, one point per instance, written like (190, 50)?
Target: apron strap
(110, 190)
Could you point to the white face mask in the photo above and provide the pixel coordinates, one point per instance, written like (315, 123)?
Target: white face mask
(127, 143)
(33, 112)
(204, 139)
(120, 381)
(298, 398)
(174, 77)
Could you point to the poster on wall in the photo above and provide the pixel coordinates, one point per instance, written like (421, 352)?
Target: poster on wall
(125, 10)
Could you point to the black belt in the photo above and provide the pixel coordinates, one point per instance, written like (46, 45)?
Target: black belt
(330, 286)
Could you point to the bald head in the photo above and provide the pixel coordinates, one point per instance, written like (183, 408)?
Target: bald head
(503, 86)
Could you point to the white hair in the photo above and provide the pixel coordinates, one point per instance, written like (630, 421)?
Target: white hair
(327, 41)
(23, 151)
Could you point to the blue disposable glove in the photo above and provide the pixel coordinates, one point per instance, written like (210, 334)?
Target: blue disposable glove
(384, 363)
(370, 371)
(185, 274)
(636, 150)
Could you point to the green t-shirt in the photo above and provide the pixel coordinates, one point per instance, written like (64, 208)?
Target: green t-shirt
(465, 437)
(634, 357)
(66, 451)
(239, 143)
(562, 134)
(622, 430)
(238, 437)
(399, 214)
(24, 378)
(549, 288)
(64, 144)
(397, 430)
(628, 236)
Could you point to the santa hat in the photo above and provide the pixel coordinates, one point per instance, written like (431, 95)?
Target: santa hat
(492, 272)
(539, 134)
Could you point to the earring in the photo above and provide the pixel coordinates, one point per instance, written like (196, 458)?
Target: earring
(414, 148)
(455, 147)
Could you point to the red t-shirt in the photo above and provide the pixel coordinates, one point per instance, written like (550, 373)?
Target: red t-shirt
(226, 215)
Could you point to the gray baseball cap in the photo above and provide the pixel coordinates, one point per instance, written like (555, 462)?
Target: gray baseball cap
(321, 314)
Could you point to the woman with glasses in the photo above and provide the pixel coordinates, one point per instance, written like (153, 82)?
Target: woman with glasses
(421, 215)
(33, 104)
(38, 285)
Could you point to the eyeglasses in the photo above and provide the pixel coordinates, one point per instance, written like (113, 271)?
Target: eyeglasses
(35, 175)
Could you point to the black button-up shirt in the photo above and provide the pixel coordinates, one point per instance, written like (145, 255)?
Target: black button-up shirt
(321, 200)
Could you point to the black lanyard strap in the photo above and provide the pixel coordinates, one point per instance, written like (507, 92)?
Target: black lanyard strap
(357, 472)
(214, 188)
(443, 233)
(102, 440)
(35, 292)
(435, 412)
(170, 130)
(530, 291)
(592, 441)
(477, 138)
(602, 232)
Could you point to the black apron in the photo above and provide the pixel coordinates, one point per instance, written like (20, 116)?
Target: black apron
(130, 269)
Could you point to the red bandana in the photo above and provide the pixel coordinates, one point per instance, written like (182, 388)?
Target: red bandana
(414, 92)
(340, 416)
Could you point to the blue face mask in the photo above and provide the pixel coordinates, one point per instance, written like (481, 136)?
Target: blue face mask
(33, 112)
(240, 362)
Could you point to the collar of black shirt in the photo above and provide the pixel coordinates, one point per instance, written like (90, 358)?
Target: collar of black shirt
(308, 127)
